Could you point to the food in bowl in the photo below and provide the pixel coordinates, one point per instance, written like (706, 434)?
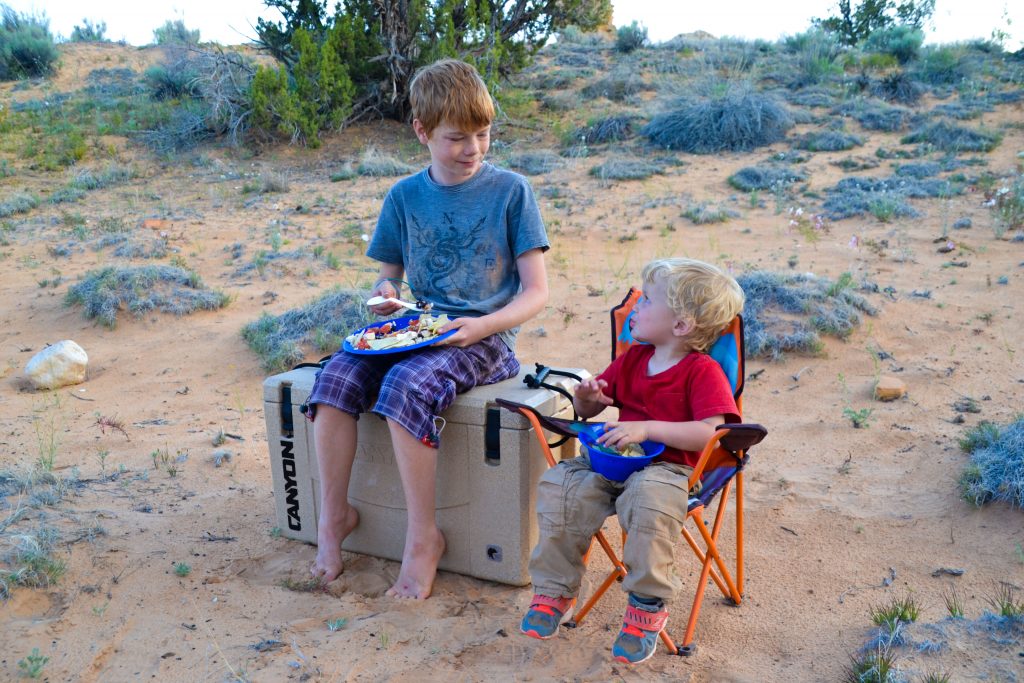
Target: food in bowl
(630, 450)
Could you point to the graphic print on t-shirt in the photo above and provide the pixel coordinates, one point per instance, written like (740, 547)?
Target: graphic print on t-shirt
(452, 262)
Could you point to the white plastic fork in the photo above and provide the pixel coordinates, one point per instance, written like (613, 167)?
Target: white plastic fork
(378, 300)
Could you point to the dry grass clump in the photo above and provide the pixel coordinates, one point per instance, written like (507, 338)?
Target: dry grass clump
(625, 168)
(734, 118)
(787, 312)
(828, 141)
(875, 115)
(617, 86)
(20, 202)
(949, 137)
(755, 178)
(996, 470)
(609, 129)
(323, 323)
(141, 289)
(702, 213)
(535, 162)
(380, 165)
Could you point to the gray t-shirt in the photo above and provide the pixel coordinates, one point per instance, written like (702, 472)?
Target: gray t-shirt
(459, 243)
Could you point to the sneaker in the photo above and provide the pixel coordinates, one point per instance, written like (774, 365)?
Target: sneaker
(638, 638)
(544, 616)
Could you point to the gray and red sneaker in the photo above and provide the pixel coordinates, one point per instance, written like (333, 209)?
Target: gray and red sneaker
(544, 616)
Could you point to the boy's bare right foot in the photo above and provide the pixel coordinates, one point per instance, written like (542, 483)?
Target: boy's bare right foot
(419, 567)
(328, 565)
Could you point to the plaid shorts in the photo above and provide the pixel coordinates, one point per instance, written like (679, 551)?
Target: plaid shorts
(410, 388)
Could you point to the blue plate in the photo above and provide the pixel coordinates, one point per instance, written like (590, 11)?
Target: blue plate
(399, 324)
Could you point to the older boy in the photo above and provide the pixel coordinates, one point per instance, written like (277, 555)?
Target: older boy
(667, 390)
(469, 238)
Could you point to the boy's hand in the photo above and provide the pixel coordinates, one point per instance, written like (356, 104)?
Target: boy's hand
(592, 391)
(619, 434)
(385, 289)
(470, 331)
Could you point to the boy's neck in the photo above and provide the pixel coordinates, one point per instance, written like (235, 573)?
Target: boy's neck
(668, 354)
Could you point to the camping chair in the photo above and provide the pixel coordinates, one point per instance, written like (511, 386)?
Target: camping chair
(720, 464)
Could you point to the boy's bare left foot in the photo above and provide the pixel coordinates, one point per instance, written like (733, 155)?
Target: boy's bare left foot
(419, 567)
(328, 565)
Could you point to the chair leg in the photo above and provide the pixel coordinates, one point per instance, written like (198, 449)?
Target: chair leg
(701, 556)
(618, 572)
(739, 531)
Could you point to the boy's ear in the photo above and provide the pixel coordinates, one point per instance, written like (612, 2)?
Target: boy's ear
(421, 132)
(682, 327)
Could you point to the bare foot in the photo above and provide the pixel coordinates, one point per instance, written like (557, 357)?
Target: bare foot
(419, 567)
(328, 565)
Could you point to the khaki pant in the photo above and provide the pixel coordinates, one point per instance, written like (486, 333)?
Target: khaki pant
(573, 502)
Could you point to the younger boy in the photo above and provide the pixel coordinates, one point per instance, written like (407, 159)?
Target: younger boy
(667, 390)
(469, 238)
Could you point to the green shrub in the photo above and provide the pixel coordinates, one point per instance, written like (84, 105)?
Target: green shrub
(26, 45)
(175, 32)
(317, 97)
(942, 65)
(629, 38)
(902, 42)
(89, 32)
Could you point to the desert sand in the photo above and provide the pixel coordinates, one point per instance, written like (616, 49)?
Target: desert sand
(838, 519)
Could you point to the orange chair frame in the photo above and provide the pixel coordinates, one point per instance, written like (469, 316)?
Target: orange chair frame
(727, 447)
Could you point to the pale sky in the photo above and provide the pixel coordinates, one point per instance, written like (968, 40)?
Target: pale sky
(230, 21)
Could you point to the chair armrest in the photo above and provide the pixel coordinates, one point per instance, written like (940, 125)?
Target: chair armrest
(741, 437)
(732, 438)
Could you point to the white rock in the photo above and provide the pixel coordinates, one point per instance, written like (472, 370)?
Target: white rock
(58, 365)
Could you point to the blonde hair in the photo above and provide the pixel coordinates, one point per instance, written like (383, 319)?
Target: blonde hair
(450, 92)
(698, 292)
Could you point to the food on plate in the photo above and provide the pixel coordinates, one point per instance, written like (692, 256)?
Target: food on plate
(389, 336)
(630, 450)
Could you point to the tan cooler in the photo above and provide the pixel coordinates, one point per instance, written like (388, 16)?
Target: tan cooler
(487, 471)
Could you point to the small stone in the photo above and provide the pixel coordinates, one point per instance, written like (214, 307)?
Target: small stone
(889, 389)
(59, 365)
(220, 456)
(962, 223)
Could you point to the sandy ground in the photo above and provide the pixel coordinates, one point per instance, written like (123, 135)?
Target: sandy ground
(834, 513)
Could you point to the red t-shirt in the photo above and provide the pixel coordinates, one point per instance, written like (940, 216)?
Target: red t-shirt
(693, 389)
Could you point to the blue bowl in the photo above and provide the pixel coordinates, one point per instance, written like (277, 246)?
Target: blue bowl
(616, 467)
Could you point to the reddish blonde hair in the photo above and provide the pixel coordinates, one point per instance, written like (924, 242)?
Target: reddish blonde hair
(451, 92)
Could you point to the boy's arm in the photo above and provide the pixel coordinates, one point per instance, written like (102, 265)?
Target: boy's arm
(383, 287)
(686, 436)
(526, 304)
